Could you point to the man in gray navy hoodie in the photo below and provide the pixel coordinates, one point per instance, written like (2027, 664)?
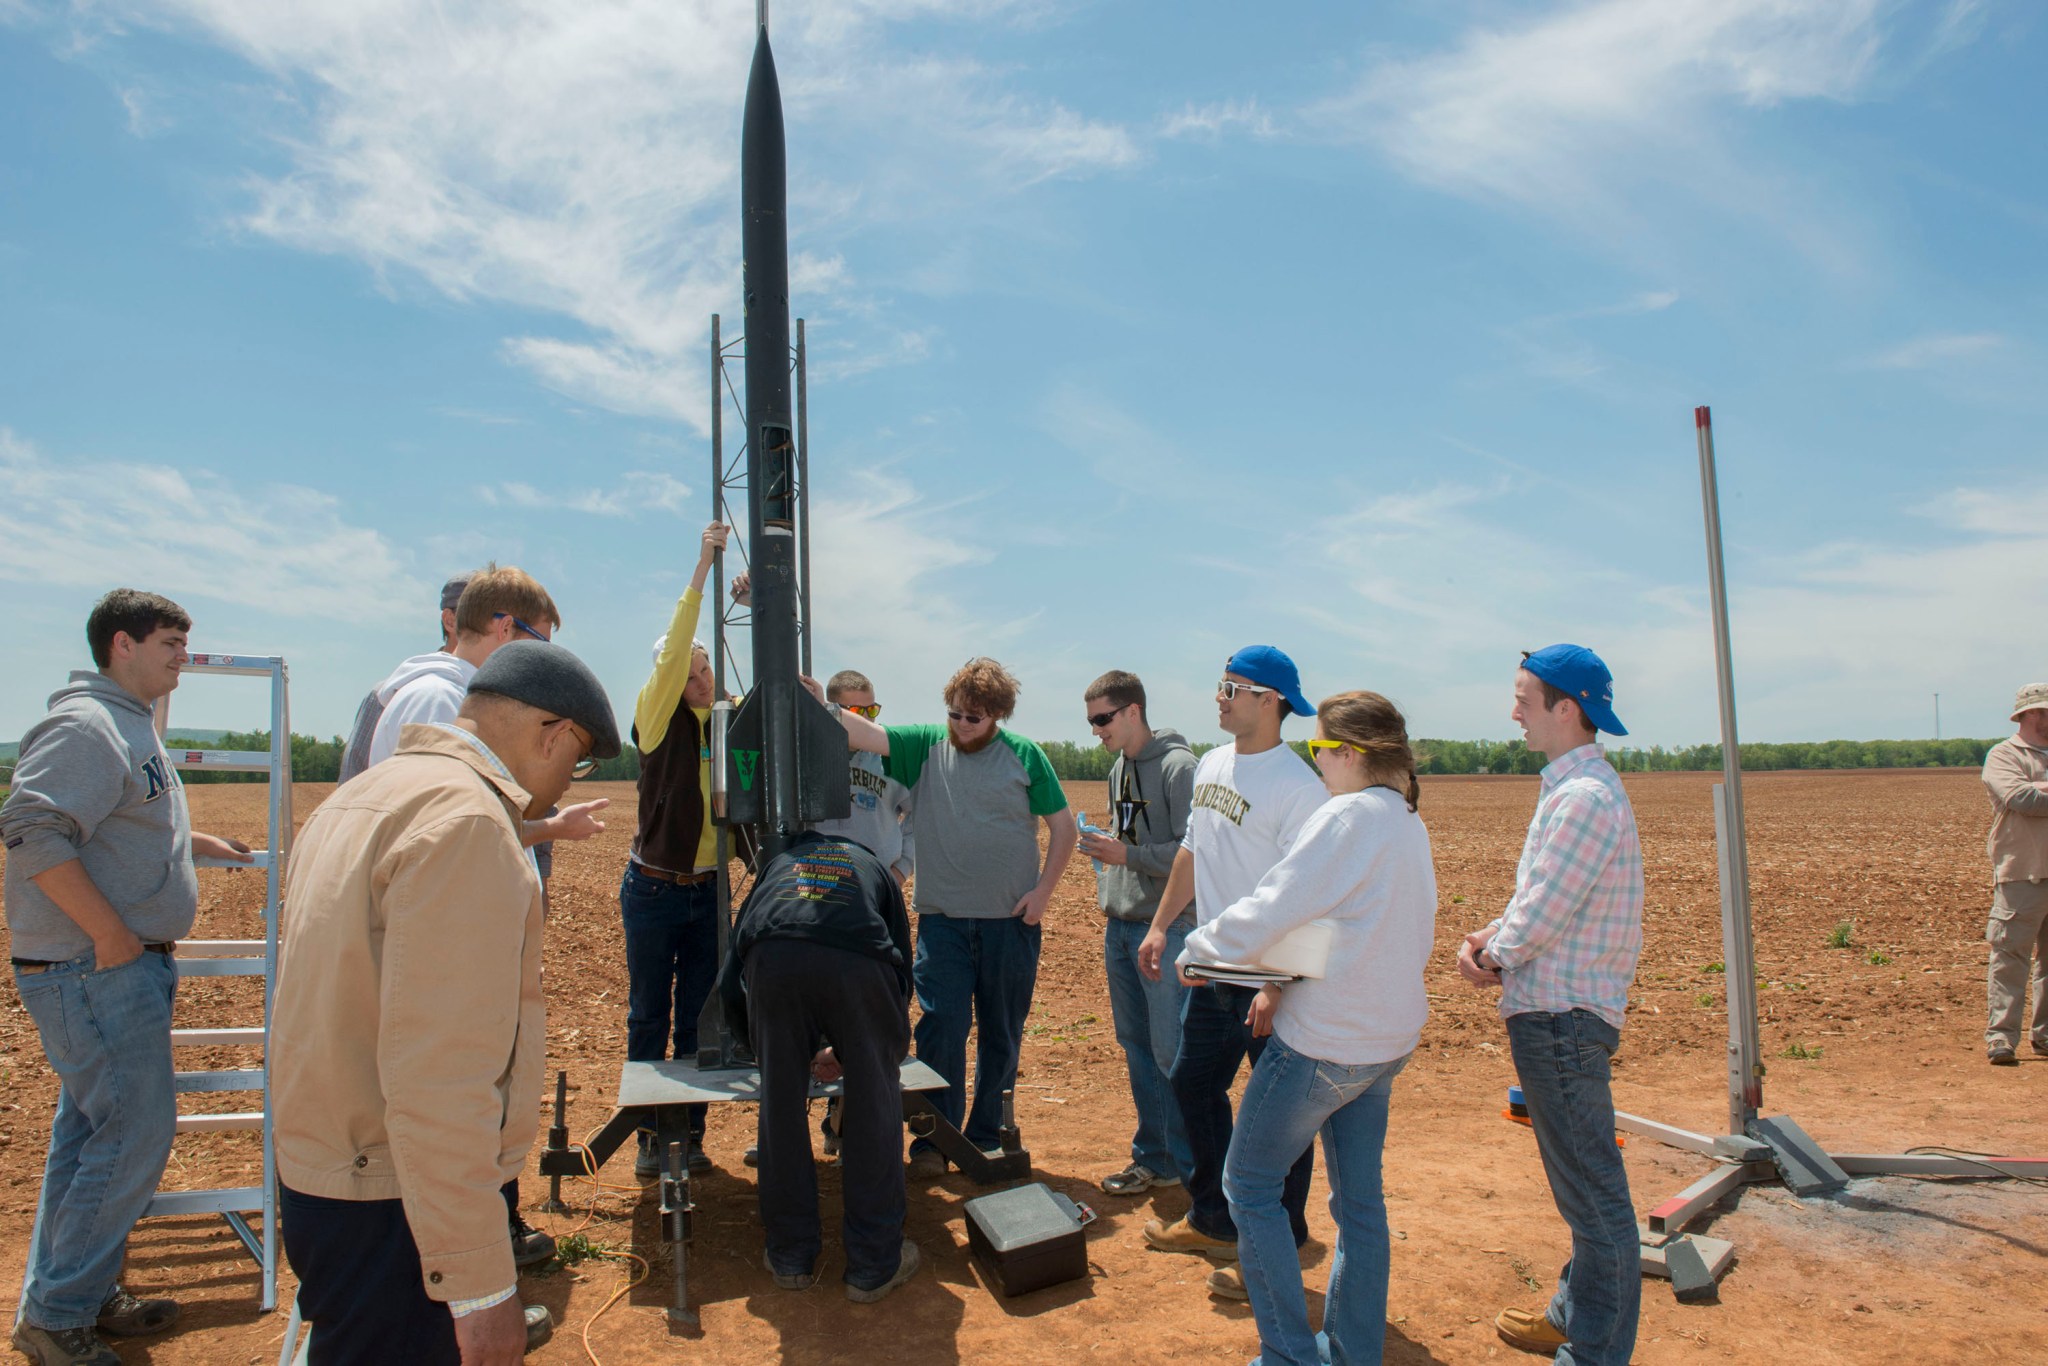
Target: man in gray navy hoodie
(1151, 788)
(100, 886)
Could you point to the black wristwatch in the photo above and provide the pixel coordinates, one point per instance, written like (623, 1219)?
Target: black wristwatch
(1479, 959)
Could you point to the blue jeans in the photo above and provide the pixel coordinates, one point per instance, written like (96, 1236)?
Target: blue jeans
(1147, 1016)
(1214, 1042)
(1289, 1100)
(979, 973)
(671, 961)
(108, 1038)
(1563, 1063)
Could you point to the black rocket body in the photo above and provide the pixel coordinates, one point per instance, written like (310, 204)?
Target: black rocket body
(787, 753)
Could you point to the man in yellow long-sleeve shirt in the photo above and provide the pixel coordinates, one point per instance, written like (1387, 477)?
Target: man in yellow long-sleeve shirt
(670, 891)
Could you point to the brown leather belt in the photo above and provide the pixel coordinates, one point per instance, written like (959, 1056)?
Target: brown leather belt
(32, 966)
(680, 879)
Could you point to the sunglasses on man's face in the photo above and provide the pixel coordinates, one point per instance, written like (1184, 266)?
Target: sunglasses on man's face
(870, 710)
(965, 718)
(1230, 688)
(1104, 718)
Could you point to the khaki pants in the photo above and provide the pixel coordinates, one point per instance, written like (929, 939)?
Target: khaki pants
(2017, 933)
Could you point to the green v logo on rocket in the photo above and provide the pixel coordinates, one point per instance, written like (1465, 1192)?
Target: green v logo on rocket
(746, 760)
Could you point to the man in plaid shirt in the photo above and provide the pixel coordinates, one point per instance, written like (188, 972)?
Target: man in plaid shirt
(1564, 953)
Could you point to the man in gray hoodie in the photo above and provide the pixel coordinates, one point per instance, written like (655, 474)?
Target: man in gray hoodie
(1151, 787)
(100, 886)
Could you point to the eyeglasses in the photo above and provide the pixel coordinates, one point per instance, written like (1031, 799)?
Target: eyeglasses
(965, 718)
(1229, 688)
(1099, 721)
(586, 765)
(1317, 746)
(871, 710)
(521, 625)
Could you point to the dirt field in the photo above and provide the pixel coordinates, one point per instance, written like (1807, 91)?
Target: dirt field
(1894, 1270)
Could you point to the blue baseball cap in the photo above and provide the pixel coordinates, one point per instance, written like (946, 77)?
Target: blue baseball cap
(1269, 667)
(1584, 675)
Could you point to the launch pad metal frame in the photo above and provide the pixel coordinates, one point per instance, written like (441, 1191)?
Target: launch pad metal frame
(655, 1095)
(1756, 1148)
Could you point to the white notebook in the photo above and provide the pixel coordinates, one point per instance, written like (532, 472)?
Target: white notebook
(1305, 952)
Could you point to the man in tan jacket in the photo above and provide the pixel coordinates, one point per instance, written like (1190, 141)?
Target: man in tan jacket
(408, 1038)
(2016, 774)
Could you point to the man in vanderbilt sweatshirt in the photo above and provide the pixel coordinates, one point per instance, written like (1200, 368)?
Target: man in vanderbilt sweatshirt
(1151, 787)
(99, 888)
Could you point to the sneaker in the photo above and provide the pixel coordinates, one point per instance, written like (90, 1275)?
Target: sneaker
(540, 1325)
(1135, 1180)
(1181, 1236)
(530, 1247)
(63, 1346)
(906, 1267)
(1227, 1283)
(926, 1164)
(1530, 1332)
(2041, 1047)
(1999, 1055)
(125, 1316)
(784, 1279)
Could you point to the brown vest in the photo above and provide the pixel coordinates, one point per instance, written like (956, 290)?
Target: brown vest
(672, 795)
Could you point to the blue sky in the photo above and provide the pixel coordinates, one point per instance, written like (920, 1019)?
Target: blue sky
(1138, 333)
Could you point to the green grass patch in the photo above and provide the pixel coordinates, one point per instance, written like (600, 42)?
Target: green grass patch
(1799, 1052)
(1839, 937)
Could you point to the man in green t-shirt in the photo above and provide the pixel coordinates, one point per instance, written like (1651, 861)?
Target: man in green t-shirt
(981, 890)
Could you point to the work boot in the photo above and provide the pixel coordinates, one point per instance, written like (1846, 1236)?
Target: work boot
(63, 1346)
(788, 1280)
(926, 1164)
(530, 1247)
(697, 1162)
(1227, 1283)
(125, 1316)
(1181, 1236)
(2001, 1055)
(1530, 1332)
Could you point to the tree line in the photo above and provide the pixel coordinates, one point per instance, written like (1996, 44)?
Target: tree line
(319, 761)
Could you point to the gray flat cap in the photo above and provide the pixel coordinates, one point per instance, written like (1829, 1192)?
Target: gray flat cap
(549, 677)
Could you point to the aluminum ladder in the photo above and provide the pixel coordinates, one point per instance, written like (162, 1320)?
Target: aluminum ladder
(239, 958)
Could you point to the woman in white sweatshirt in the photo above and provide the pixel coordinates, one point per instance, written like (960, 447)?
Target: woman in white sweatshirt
(1361, 862)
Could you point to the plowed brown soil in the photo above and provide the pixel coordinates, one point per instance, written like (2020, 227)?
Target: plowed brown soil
(1895, 1270)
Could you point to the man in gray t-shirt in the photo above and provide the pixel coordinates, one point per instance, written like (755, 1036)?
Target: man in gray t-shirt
(981, 890)
(355, 751)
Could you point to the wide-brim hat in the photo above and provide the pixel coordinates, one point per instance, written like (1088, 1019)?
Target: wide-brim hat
(2033, 697)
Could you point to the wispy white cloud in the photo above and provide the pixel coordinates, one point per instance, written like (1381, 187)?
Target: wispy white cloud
(1594, 111)
(1213, 120)
(1853, 632)
(637, 492)
(79, 522)
(1923, 353)
(581, 159)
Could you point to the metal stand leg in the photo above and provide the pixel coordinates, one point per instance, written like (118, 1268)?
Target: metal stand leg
(675, 1228)
(558, 1141)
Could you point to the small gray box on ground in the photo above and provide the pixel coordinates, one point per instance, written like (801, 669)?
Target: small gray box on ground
(1027, 1237)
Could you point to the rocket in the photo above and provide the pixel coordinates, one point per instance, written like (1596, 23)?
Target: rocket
(786, 755)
